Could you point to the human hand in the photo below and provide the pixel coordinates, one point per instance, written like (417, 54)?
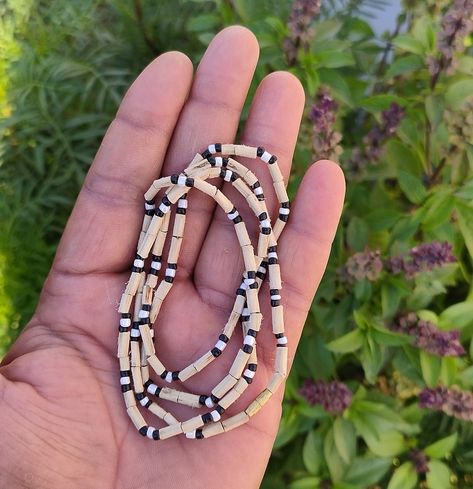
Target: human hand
(62, 414)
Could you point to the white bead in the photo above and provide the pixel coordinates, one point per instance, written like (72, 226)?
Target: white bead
(152, 388)
(220, 345)
(181, 180)
(171, 272)
(249, 340)
(168, 377)
(249, 373)
(282, 340)
(243, 286)
(228, 176)
(143, 314)
(125, 322)
(124, 380)
(135, 333)
(232, 215)
(190, 434)
(218, 161)
(209, 403)
(212, 149)
(156, 265)
(261, 269)
(144, 401)
(284, 210)
(258, 190)
(164, 208)
(182, 203)
(276, 297)
(272, 254)
(139, 263)
(215, 415)
(266, 156)
(245, 312)
(249, 281)
(265, 223)
(149, 207)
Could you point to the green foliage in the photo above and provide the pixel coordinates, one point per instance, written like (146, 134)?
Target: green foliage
(64, 67)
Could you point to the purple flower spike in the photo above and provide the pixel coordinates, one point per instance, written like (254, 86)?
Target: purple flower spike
(333, 396)
(453, 402)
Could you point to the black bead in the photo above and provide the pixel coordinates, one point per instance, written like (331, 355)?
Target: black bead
(251, 274)
(156, 435)
(222, 173)
(265, 230)
(259, 151)
(153, 271)
(273, 291)
(206, 153)
(252, 367)
(216, 352)
(237, 219)
(260, 197)
(256, 185)
(149, 212)
(147, 383)
(207, 418)
(249, 380)
(181, 210)
(126, 388)
(123, 329)
(166, 201)
(156, 258)
(263, 216)
(163, 375)
(284, 217)
(198, 434)
(252, 332)
(189, 182)
(136, 269)
(272, 159)
(169, 279)
(218, 147)
(172, 266)
(281, 346)
(247, 348)
(214, 399)
(219, 409)
(211, 160)
(273, 261)
(146, 307)
(144, 321)
(140, 395)
(275, 303)
(254, 285)
(126, 315)
(148, 404)
(174, 178)
(124, 373)
(279, 335)
(234, 177)
(158, 212)
(272, 249)
(240, 291)
(143, 430)
(285, 205)
(223, 337)
(175, 375)
(202, 399)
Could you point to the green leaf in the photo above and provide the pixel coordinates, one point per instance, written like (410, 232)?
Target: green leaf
(458, 92)
(357, 233)
(430, 366)
(387, 444)
(409, 63)
(349, 342)
(305, 483)
(448, 370)
(458, 316)
(371, 359)
(434, 106)
(334, 59)
(367, 470)
(438, 476)
(424, 33)
(439, 208)
(442, 448)
(377, 103)
(204, 22)
(404, 477)
(345, 439)
(465, 223)
(312, 452)
(412, 187)
(402, 157)
(335, 463)
(409, 43)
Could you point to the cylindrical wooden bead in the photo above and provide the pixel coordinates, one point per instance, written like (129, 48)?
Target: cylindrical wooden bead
(155, 308)
(241, 386)
(205, 187)
(124, 362)
(123, 344)
(157, 410)
(212, 429)
(275, 276)
(225, 203)
(275, 382)
(171, 430)
(187, 373)
(229, 398)
(238, 364)
(242, 234)
(249, 257)
(277, 314)
(255, 321)
(148, 344)
(192, 424)
(276, 173)
(151, 281)
(179, 225)
(203, 361)
(133, 283)
(163, 289)
(281, 192)
(278, 227)
(245, 151)
(224, 386)
(169, 394)
(129, 397)
(253, 408)
(156, 364)
(235, 421)
(188, 399)
(170, 419)
(263, 397)
(174, 249)
(228, 149)
(280, 361)
(125, 303)
(263, 240)
(136, 417)
(137, 380)
(241, 186)
(135, 354)
(252, 300)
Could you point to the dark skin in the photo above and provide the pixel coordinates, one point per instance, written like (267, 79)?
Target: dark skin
(63, 419)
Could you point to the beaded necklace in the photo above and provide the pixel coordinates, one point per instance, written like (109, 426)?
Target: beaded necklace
(143, 293)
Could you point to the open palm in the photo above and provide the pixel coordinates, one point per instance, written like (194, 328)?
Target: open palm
(62, 415)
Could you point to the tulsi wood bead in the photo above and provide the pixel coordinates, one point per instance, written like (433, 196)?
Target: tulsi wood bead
(151, 280)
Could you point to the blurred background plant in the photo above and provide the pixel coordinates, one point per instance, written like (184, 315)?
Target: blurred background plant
(380, 393)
